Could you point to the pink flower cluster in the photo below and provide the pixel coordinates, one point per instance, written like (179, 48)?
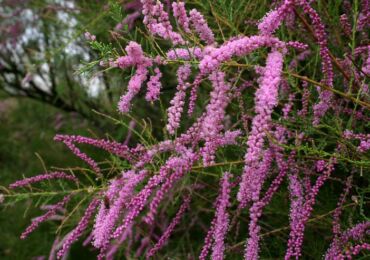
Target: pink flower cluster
(201, 27)
(220, 223)
(363, 138)
(42, 177)
(158, 22)
(135, 58)
(178, 102)
(266, 99)
(163, 239)
(154, 86)
(179, 12)
(50, 213)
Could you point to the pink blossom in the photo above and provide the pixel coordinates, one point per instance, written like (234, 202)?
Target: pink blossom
(215, 113)
(272, 20)
(222, 218)
(185, 53)
(177, 103)
(42, 177)
(179, 12)
(201, 27)
(169, 229)
(104, 225)
(51, 212)
(154, 86)
(158, 22)
(327, 67)
(135, 57)
(301, 212)
(238, 47)
(90, 37)
(179, 169)
(266, 99)
(346, 26)
(81, 227)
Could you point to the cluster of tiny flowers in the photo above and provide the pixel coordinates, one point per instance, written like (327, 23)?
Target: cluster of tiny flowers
(154, 86)
(119, 192)
(364, 16)
(346, 26)
(135, 57)
(215, 113)
(301, 211)
(327, 67)
(265, 101)
(113, 147)
(288, 106)
(185, 54)
(180, 167)
(355, 233)
(50, 213)
(42, 177)
(163, 239)
(90, 37)
(222, 218)
(259, 202)
(238, 47)
(220, 223)
(273, 19)
(178, 102)
(305, 101)
(335, 247)
(158, 22)
(79, 229)
(179, 12)
(70, 144)
(201, 26)
(135, 7)
(363, 138)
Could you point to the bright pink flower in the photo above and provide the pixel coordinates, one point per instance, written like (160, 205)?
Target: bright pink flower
(79, 229)
(220, 223)
(175, 221)
(266, 98)
(42, 177)
(179, 12)
(222, 218)
(272, 20)
(177, 103)
(201, 27)
(154, 86)
(158, 22)
(50, 213)
(214, 116)
(238, 47)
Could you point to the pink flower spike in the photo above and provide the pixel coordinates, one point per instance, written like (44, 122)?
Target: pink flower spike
(179, 12)
(154, 86)
(161, 242)
(201, 27)
(51, 212)
(42, 177)
(272, 20)
(178, 101)
(222, 218)
(79, 229)
(266, 98)
(158, 23)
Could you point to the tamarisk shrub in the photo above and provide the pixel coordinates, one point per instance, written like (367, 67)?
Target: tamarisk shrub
(290, 114)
